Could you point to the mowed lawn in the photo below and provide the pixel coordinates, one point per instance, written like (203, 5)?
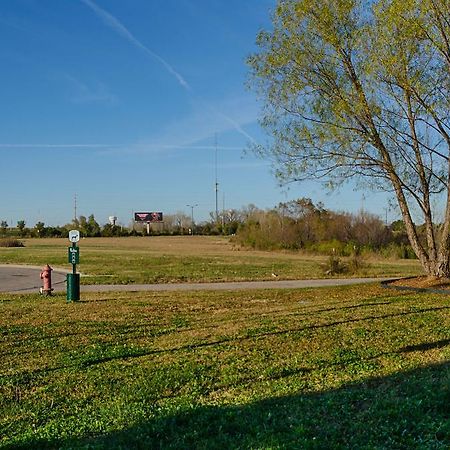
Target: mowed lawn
(344, 368)
(164, 259)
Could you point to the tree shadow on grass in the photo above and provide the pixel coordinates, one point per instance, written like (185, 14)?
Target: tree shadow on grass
(408, 410)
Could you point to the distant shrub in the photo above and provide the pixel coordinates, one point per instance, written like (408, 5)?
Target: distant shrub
(10, 242)
(401, 251)
(356, 264)
(334, 266)
(326, 247)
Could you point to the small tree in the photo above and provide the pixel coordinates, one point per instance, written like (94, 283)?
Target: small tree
(4, 226)
(40, 229)
(93, 227)
(83, 226)
(112, 230)
(21, 227)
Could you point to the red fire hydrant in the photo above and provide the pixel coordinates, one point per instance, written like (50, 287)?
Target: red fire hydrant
(46, 277)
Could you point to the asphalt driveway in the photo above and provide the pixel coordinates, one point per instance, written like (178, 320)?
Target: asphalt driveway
(26, 279)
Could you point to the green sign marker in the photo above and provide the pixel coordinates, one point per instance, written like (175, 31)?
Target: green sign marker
(74, 255)
(73, 279)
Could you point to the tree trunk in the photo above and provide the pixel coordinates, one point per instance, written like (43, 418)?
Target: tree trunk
(443, 262)
(443, 267)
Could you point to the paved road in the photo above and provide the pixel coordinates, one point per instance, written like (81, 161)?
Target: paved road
(22, 279)
(25, 279)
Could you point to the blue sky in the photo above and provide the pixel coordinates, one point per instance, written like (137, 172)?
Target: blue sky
(119, 102)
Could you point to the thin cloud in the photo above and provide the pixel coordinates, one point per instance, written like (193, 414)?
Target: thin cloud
(192, 133)
(206, 120)
(121, 30)
(121, 146)
(238, 165)
(160, 148)
(237, 127)
(55, 146)
(86, 94)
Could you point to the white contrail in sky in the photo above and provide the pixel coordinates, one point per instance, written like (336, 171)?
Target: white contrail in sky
(54, 145)
(121, 146)
(237, 127)
(120, 29)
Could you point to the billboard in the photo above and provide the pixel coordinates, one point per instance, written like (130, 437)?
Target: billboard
(149, 217)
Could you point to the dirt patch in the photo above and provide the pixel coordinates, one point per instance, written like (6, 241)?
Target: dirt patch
(424, 283)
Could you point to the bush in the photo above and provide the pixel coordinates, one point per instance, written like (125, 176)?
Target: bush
(334, 266)
(326, 247)
(10, 242)
(401, 251)
(355, 263)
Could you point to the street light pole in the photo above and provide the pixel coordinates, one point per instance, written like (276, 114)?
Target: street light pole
(192, 215)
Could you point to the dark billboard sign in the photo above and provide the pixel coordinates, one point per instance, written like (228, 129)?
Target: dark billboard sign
(149, 217)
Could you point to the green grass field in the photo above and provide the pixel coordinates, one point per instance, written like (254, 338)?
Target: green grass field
(184, 259)
(345, 368)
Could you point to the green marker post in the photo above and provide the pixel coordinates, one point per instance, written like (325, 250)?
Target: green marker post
(73, 279)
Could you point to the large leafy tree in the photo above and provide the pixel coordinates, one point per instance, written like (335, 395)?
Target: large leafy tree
(360, 89)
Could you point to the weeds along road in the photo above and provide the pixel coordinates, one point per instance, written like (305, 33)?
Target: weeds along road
(26, 279)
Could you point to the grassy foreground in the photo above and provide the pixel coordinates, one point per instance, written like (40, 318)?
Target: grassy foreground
(344, 368)
(163, 259)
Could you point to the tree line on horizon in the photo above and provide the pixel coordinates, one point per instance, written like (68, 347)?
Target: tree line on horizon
(295, 225)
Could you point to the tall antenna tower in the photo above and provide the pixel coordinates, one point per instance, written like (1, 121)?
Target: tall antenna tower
(75, 208)
(216, 182)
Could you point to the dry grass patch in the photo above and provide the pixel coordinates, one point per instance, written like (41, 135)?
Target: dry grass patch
(184, 259)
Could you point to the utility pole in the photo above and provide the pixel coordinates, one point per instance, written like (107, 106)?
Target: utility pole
(192, 215)
(216, 183)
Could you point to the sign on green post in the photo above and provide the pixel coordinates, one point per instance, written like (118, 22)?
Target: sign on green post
(73, 279)
(74, 255)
